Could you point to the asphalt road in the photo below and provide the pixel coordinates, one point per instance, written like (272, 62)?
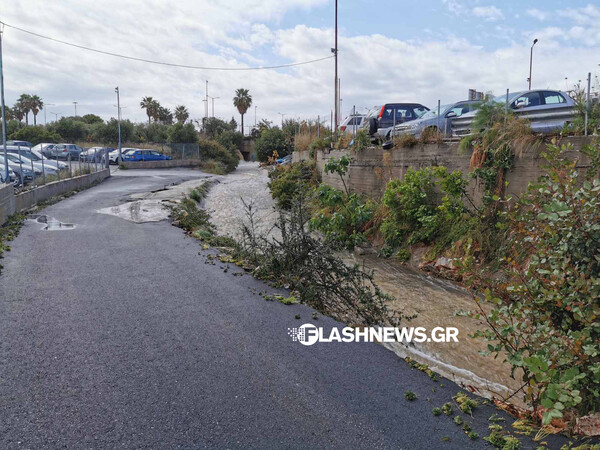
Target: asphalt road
(115, 334)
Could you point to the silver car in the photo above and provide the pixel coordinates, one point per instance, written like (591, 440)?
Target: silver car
(431, 121)
(550, 109)
(28, 156)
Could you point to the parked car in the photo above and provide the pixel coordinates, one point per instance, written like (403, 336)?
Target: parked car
(44, 149)
(93, 154)
(23, 174)
(113, 156)
(381, 119)
(430, 119)
(36, 150)
(285, 161)
(64, 151)
(28, 157)
(12, 177)
(550, 109)
(351, 124)
(22, 143)
(25, 162)
(145, 155)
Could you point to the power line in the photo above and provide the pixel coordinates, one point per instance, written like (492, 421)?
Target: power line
(162, 63)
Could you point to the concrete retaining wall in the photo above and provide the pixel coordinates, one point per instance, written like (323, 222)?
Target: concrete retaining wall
(372, 168)
(161, 164)
(11, 203)
(7, 201)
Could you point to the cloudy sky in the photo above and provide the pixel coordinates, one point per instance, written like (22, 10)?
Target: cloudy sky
(390, 50)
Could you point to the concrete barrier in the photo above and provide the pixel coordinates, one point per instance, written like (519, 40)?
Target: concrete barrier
(372, 168)
(11, 203)
(7, 201)
(165, 164)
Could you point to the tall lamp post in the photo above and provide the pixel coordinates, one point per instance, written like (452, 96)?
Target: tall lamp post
(531, 62)
(282, 114)
(75, 104)
(3, 111)
(45, 108)
(336, 105)
(213, 104)
(119, 120)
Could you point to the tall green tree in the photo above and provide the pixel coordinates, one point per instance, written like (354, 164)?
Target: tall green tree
(149, 104)
(242, 101)
(181, 114)
(24, 106)
(36, 104)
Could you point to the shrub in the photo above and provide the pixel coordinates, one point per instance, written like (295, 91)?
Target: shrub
(271, 140)
(180, 133)
(290, 183)
(545, 310)
(321, 143)
(405, 141)
(343, 218)
(35, 135)
(211, 150)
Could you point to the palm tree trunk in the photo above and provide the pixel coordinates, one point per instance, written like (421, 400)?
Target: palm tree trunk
(26, 119)
(34, 120)
(242, 124)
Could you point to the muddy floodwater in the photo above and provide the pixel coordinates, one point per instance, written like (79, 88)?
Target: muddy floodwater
(434, 301)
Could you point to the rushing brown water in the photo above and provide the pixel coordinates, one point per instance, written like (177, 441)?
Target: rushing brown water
(434, 301)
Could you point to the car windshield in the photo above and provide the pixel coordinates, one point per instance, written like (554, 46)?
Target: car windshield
(16, 159)
(502, 98)
(433, 113)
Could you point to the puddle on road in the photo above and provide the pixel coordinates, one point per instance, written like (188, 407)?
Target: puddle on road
(50, 223)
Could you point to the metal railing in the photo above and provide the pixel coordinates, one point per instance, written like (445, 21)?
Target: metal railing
(541, 121)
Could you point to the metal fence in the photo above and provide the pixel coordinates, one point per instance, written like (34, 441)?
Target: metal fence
(175, 151)
(28, 170)
(546, 120)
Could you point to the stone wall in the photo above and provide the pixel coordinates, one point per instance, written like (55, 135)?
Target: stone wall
(164, 164)
(11, 203)
(372, 168)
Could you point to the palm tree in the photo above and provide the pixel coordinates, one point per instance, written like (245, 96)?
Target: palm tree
(36, 104)
(242, 101)
(181, 114)
(9, 112)
(164, 115)
(147, 103)
(24, 104)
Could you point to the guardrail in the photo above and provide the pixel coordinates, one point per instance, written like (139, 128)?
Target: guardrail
(542, 121)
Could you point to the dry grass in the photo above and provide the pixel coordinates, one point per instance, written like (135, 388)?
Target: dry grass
(405, 141)
(304, 140)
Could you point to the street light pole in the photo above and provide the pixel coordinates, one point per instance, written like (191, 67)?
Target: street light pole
(282, 114)
(2, 109)
(213, 104)
(75, 103)
(119, 120)
(531, 62)
(206, 111)
(336, 85)
(45, 108)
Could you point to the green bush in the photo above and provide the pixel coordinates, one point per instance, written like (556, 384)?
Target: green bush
(35, 135)
(545, 313)
(211, 150)
(343, 218)
(70, 129)
(180, 133)
(271, 140)
(290, 183)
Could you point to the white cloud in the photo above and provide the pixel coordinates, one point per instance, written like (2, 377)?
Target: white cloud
(373, 68)
(538, 14)
(489, 13)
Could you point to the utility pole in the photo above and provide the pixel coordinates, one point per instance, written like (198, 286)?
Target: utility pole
(334, 125)
(531, 62)
(213, 104)
(282, 114)
(2, 108)
(119, 120)
(587, 102)
(55, 116)
(75, 103)
(206, 111)
(45, 108)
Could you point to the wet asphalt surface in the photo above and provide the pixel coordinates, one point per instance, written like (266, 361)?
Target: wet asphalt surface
(120, 335)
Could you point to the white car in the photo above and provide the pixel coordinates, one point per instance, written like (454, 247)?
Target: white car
(352, 124)
(113, 157)
(48, 165)
(28, 164)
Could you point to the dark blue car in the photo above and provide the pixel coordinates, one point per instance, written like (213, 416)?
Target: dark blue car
(145, 155)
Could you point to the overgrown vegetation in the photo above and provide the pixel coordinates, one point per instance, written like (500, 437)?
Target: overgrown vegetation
(545, 307)
(8, 232)
(290, 183)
